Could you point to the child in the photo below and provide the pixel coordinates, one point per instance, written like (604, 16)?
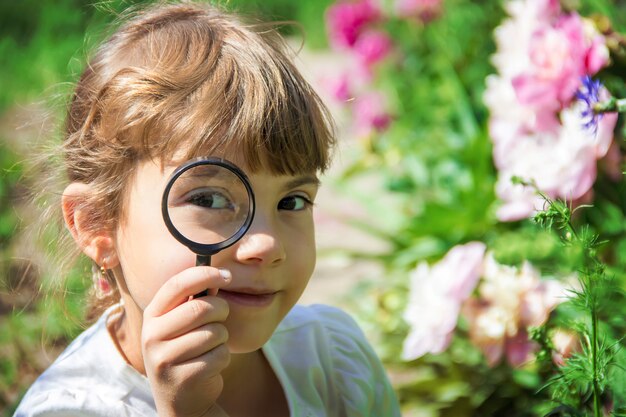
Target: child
(173, 83)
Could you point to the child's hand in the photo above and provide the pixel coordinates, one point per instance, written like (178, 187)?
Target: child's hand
(184, 343)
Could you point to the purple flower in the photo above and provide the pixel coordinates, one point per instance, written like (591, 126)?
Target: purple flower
(589, 95)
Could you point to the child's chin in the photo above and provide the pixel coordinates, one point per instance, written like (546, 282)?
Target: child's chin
(236, 346)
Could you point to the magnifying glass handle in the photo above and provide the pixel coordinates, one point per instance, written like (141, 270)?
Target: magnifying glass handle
(202, 260)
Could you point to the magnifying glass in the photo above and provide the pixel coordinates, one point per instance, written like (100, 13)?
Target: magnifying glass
(207, 205)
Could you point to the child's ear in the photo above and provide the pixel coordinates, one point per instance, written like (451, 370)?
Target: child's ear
(99, 245)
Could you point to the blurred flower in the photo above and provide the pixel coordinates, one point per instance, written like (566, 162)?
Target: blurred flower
(542, 54)
(435, 298)
(354, 27)
(514, 35)
(346, 20)
(612, 163)
(535, 124)
(347, 78)
(372, 46)
(351, 28)
(510, 300)
(370, 113)
(565, 345)
(562, 164)
(338, 86)
(598, 55)
(558, 59)
(424, 10)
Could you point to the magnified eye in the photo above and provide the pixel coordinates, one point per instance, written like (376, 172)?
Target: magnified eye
(211, 199)
(294, 203)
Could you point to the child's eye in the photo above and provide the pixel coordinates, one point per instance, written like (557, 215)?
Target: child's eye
(294, 203)
(209, 199)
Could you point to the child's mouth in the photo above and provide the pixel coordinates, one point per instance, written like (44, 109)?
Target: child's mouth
(249, 299)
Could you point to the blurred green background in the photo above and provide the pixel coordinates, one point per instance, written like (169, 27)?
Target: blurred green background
(43, 45)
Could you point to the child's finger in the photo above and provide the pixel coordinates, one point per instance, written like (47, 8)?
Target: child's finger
(196, 343)
(206, 366)
(185, 284)
(190, 315)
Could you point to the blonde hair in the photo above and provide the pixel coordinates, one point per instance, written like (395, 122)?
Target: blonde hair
(190, 77)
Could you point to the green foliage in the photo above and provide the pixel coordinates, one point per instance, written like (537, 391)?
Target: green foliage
(44, 43)
(436, 91)
(306, 15)
(586, 376)
(39, 327)
(9, 175)
(38, 39)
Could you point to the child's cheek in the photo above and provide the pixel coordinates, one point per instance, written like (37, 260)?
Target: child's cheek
(145, 276)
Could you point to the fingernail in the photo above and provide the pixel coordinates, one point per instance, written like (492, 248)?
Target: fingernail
(225, 274)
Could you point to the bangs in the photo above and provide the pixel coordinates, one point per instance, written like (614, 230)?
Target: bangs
(229, 93)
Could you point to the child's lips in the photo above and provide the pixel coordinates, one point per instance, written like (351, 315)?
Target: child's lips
(248, 297)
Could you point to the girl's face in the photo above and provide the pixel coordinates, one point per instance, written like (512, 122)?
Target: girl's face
(270, 265)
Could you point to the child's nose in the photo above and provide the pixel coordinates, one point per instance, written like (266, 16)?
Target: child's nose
(261, 245)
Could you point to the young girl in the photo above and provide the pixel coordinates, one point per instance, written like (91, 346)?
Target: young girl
(173, 83)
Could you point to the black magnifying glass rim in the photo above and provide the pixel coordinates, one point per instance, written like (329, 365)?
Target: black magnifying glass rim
(206, 248)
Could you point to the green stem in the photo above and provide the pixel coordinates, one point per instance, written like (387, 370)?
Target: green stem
(597, 409)
(591, 276)
(610, 106)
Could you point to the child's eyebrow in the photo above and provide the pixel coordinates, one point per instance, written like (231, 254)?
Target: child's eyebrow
(303, 180)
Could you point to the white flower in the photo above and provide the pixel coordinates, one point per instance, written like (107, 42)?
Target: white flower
(435, 298)
(510, 299)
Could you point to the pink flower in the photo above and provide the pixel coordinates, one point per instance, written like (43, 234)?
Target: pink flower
(373, 46)
(597, 55)
(519, 349)
(541, 56)
(534, 124)
(424, 10)
(346, 78)
(559, 57)
(346, 20)
(562, 164)
(510, 300)
(612, 162)
(514, 35)
(435, 298)
(339, 87)
(370, 114)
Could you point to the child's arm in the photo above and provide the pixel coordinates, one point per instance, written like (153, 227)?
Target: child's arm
(184, 344)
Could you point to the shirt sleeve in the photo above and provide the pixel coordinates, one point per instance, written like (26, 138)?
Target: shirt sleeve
(359, 376)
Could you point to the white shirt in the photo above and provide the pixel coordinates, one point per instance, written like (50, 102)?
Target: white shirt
(320, 356)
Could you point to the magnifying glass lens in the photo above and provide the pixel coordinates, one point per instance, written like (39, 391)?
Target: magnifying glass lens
(208, 204)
